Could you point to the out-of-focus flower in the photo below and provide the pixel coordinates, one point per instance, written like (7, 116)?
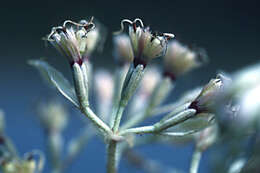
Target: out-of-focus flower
(150, 79)
(28, 164)
(123, 49)
(209, 94)
(72, 40)
(53, 115)
(243, 112)
(104, 86)
(146, 44)
(148, 84)
(237, 165)
(206, 137)
(179, 59)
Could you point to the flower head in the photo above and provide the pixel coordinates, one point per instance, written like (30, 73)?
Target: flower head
(208, 96)
(104, 85)
(52, 115)
(242, 97)
(71, 39)
(179, 59)
(146, 44)
(91, 40)
(123, 49)
(206, 137)
(149, 81)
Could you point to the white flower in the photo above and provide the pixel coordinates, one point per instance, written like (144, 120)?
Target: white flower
(71, 39)
(104, 85)
(90, 40)
(146, 45)
(209, 94)
(206, 137)
(179, 59)
(244, 93)
(149, 81)
(123, 49)
(53, 115)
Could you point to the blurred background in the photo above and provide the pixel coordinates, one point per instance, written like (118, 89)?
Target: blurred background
(228, 30)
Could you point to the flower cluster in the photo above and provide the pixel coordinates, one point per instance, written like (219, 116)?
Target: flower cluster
(74, 40)
(193, 116)
(146, 44)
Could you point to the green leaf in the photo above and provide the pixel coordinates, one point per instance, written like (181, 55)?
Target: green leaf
(56, 79)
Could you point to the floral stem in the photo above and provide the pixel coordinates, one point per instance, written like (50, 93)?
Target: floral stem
(118, 117)
(138, 130)
(196, 157)
(97, 121)
(158, 96)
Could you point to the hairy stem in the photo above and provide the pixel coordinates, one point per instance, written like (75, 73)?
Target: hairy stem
(158, 96)
(105, 129)
(111, 160)
(194, 166)
(118, 117)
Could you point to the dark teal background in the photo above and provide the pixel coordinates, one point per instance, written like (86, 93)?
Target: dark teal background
(228, 30)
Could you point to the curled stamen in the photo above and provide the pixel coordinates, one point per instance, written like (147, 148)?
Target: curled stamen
(91, 19)
(82, 23)
(133, 23)
(87, 28)
(122, 26)
(86, 23)
(168, 36)
(140, 21)
(73, 23)
(53, 31)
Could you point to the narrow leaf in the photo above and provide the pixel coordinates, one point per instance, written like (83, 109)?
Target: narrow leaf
(56, 79)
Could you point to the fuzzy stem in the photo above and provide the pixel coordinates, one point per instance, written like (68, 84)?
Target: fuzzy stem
(138, 130)
(81, 87)
(111, 154)
(196, 157)
(120, 75)
(97, 121)
(118, 117)
(159, 94)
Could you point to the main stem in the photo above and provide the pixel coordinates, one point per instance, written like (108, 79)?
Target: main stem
(112, 146)
(111, 152)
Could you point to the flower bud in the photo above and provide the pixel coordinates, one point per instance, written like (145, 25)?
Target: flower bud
(179, 59)
(123, 49)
